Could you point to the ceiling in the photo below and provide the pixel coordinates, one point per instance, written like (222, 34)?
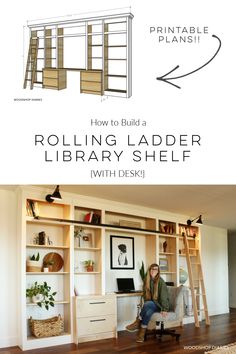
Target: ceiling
(216, 203)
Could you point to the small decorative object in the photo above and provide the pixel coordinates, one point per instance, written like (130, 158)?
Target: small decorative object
(78, 233)
(54, 261)
(46, 328)
(42, 236)
(41, 294)
(164, 246)
(183, 275)
(33, 264)
(76, 292)
(89, 265)
(37, 298)
(47, 266)
(163, 264)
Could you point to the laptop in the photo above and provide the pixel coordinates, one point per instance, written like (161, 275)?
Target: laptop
(126, 285)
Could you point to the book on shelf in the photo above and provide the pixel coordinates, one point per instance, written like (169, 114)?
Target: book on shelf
(92, 217)
(96, 218)
(32, 208)
(88, 217)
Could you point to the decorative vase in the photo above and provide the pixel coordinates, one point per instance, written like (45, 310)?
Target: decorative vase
(89, 268)
(37, 298)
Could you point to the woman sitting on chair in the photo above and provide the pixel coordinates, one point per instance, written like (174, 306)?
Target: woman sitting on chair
(155, 300)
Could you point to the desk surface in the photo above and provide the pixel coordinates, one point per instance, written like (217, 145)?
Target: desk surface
(129, 294)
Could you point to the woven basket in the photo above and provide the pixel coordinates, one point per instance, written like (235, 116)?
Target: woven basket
(46, 328)
(33, 269)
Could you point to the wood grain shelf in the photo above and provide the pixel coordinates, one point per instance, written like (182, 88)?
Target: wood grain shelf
(48, 247)
(47, 273)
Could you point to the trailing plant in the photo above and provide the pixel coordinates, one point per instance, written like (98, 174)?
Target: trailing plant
(44, 290)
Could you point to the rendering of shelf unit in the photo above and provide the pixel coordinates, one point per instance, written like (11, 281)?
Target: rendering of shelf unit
(100, 47)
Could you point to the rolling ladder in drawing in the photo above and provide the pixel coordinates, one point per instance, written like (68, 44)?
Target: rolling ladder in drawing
(31, 66)
(196, 281)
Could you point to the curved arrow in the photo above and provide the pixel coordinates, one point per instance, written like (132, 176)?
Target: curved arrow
(166, 79)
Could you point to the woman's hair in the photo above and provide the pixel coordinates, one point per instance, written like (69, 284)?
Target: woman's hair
(122, 248)
(146, 289)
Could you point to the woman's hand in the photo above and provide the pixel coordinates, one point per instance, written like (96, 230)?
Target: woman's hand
(164, 314)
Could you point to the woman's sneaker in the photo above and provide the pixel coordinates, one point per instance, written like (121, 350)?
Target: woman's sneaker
(133, 327)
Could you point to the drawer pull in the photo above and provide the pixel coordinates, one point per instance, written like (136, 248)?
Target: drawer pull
(96, 303)
(102, 319)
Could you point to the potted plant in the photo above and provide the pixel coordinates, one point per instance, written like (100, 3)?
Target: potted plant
(79, 233)
(47, 266)
(33, 263)
(142, 272)
(41, 295)
(89, 265)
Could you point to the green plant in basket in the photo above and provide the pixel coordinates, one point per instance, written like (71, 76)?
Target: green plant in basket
(35, 257)
(41, 294)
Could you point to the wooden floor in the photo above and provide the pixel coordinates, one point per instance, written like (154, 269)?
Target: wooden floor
(193, 340)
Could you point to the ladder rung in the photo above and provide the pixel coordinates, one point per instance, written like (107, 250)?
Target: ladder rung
(38, 82)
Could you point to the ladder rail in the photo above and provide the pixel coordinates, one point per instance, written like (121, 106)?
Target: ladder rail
(34, 64)
(31, 61)
(191, 281)
(27, 66)
(202, 290)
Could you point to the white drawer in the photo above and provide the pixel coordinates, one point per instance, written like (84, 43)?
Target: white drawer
(95, 307)
(96, 324)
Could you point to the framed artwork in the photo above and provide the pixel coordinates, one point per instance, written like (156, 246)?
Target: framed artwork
(86, 240)
(163, 264)
(122, 252)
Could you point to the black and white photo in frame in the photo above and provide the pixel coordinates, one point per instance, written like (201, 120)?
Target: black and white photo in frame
(122, 252)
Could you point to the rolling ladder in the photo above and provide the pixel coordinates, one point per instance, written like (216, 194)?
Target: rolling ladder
(195, 272)
(31, 66)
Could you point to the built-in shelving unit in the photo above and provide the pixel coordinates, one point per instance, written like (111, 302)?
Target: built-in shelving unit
(81, 231)
(58, 238)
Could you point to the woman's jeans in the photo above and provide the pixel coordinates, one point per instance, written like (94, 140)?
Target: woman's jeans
(147, 311)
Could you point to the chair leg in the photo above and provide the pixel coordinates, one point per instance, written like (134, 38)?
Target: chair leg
(162, 331)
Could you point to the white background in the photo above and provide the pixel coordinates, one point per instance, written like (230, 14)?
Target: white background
(204, 105)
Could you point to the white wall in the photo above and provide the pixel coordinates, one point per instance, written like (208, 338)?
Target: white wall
(8, 266)
(232, 269)
(215, 267)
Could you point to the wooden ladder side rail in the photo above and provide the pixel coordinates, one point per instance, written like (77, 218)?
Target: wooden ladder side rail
(203, 292)
(27, 65)
(34, 63)
(31, 59)
(191, 280)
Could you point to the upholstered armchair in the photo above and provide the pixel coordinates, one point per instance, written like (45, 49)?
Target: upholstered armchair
(174, 316)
